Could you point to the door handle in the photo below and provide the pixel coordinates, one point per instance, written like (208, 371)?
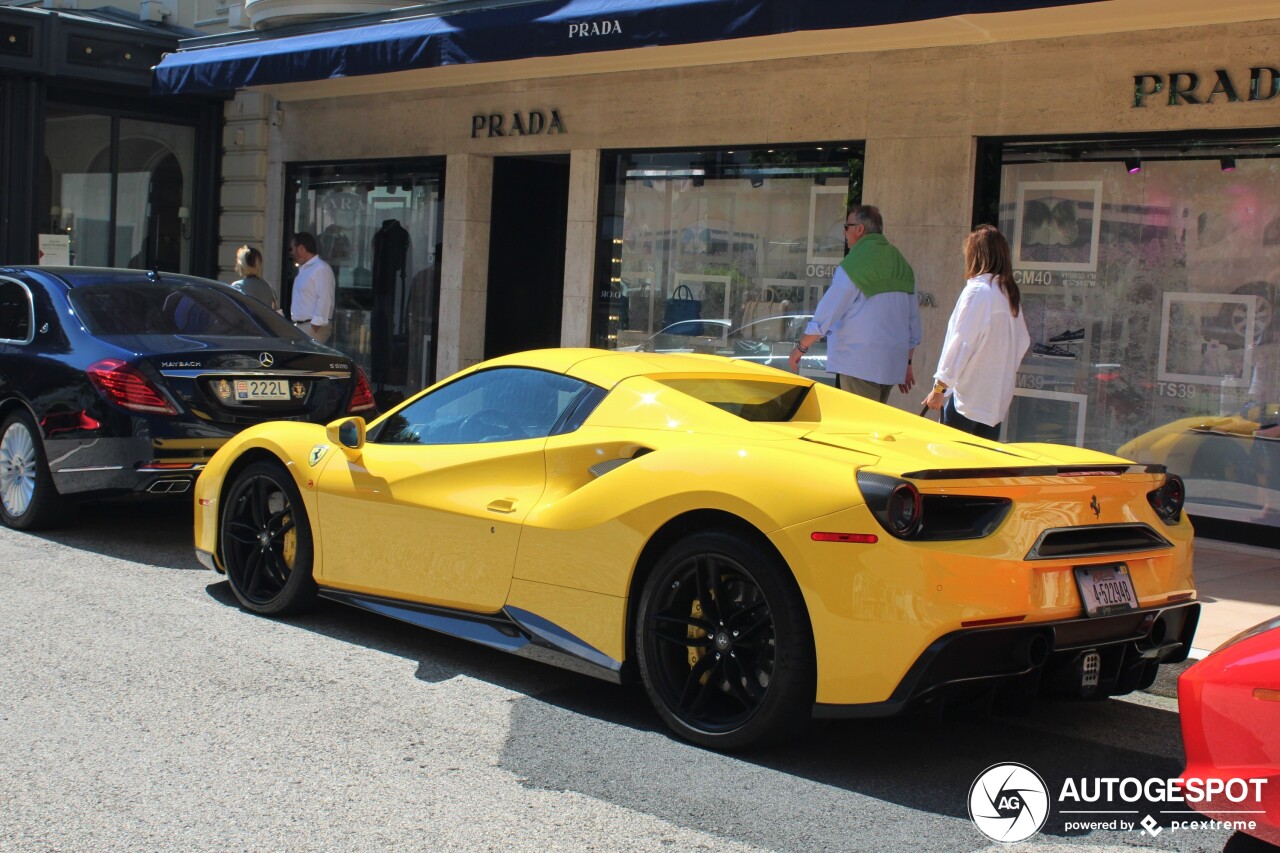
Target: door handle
(503, 505)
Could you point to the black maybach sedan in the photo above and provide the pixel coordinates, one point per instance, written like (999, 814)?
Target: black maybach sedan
(116, 382)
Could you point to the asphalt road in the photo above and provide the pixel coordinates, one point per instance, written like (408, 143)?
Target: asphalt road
(140, 708)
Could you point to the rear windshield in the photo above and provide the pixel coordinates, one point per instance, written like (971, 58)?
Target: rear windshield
(173, 308)
(751, 400)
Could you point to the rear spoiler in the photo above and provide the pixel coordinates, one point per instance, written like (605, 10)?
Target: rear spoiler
(1033, 471)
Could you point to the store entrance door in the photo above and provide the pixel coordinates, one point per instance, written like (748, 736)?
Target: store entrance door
(528, 227)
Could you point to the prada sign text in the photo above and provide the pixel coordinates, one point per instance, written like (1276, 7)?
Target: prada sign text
(1187, 87)
(591, 29)
(517, 124)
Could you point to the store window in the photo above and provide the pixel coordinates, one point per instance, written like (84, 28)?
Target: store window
(1149, 272)
(724, 250)
(379, 225)
(118, 191)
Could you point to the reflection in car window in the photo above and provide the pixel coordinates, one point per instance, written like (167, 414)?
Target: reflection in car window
(503, 404)
(749, 399)
(15, 312)
(173, 308)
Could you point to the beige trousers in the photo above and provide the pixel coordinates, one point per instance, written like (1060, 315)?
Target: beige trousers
(319, 334)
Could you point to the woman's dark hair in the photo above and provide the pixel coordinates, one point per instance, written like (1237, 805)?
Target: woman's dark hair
(986, 251)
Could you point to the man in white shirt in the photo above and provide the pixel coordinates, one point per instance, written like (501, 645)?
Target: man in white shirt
(313, 289)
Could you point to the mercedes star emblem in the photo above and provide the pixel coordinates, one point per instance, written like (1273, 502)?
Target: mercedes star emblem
(266, 359)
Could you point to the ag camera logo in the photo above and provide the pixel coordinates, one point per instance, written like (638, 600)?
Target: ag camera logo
(1009, 802)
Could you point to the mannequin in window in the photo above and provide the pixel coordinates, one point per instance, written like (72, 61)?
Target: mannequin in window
(389, 333)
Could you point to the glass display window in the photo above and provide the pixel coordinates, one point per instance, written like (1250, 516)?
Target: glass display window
(119, 191)
(698, 245)
(380, 227)
(1150, 270)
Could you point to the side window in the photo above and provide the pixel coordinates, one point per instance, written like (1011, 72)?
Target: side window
(504, 404)
(15, 312)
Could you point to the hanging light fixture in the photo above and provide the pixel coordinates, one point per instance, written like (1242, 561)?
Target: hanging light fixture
(1133, 165)
(1228, 163)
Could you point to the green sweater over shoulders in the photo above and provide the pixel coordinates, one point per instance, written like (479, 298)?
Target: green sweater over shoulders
(877, 267)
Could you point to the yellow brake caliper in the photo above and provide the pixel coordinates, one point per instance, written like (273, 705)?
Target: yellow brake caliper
(696, 633)
(289, 549)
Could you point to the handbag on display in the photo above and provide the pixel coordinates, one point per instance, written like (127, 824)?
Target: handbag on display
(682, 307)
(638, 308)
(762, 314)
(617, 307)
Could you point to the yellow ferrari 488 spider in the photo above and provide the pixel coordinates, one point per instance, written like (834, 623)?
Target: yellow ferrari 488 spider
(755, 547)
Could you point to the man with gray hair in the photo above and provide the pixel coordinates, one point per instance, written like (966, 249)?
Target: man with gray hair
(869, 314)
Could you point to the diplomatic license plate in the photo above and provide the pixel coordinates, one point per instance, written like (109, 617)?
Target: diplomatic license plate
(1106, 589)
(262, 389)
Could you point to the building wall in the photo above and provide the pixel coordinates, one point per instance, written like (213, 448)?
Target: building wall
(208, 16)
(919, 111)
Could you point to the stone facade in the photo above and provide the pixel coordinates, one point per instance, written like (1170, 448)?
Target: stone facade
(920, 112)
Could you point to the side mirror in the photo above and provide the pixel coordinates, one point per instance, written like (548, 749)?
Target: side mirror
(348, 433)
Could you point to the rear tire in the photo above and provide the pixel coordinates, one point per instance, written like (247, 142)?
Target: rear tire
(724, 645)
(28, 498)
(265, 541)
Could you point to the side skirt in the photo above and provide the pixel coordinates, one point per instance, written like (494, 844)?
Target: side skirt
(511, 630)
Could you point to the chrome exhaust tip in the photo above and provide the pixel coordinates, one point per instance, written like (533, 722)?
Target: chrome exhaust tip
(169, 487)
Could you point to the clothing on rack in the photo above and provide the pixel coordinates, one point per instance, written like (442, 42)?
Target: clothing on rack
(390, 293)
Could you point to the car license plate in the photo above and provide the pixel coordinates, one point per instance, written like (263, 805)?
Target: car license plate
(1106, 589)
(262, 389)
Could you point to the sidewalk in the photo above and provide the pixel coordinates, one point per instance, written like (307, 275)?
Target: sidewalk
(1239, 587)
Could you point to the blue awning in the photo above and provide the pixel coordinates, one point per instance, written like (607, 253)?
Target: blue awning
(560, 28)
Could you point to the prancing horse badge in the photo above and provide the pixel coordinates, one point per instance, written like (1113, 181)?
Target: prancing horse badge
(317, 453)
(1093, 504)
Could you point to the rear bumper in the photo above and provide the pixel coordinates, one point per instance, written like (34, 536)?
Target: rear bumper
(1042, 656)
(107, 466)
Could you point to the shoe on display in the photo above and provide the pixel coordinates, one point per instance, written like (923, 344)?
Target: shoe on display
(1051, 351)
(1069, 335)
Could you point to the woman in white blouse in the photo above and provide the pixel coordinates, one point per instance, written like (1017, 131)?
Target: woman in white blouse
(986, 340)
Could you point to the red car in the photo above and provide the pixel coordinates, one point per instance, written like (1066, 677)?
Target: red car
(1230, 709)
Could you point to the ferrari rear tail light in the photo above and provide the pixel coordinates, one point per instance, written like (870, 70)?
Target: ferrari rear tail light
(906, 513)
(1167, 500)
(362, 397)
(904, 510)
(895, 503)
(126, 386)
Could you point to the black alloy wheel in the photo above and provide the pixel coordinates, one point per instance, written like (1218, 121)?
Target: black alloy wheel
(724, 645)
(265, 541)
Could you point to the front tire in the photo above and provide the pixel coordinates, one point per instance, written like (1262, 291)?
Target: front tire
(28, 498)
(265, 540)
(724, 645)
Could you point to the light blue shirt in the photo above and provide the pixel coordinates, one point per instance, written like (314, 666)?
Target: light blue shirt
(867, 338)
